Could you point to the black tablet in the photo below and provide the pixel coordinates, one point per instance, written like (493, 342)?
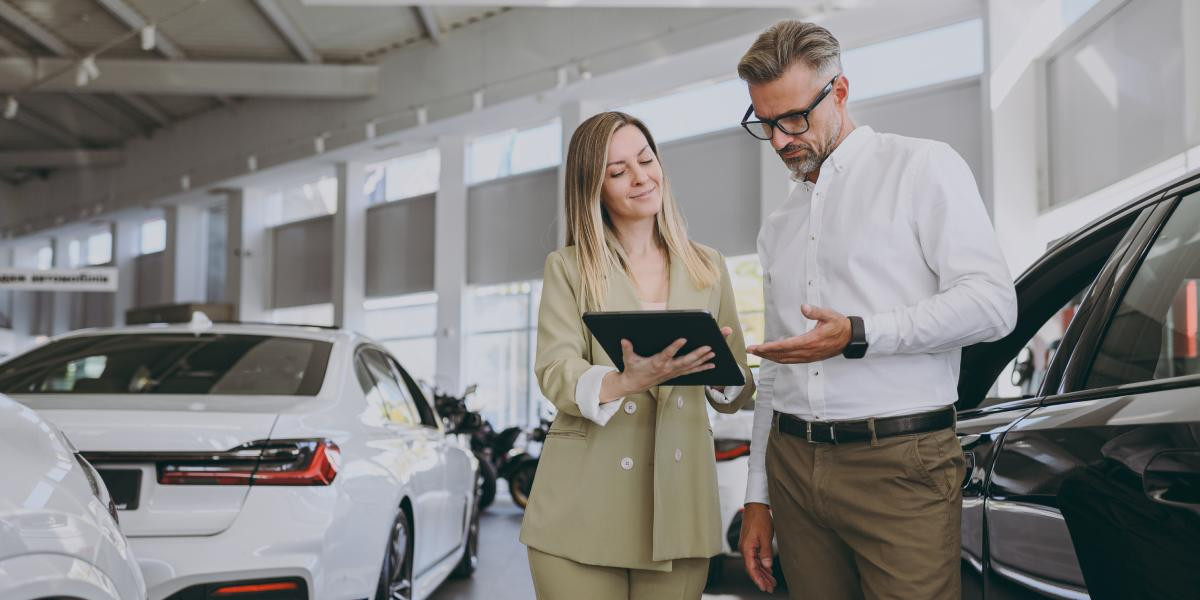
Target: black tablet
(652, 330)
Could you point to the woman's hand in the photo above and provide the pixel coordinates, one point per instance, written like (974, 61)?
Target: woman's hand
(644, 372)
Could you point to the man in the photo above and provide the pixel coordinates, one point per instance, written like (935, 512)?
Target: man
(878, 269)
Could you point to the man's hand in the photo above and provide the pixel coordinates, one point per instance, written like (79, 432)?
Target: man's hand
(830, 336)
(755, 544)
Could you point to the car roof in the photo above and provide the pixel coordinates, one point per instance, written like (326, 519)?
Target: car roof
(326, 334)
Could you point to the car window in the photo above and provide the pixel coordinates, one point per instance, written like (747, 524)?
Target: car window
(170, 363)
(1153, 332)
(388, 390)
(428, 418)
(1048, 297)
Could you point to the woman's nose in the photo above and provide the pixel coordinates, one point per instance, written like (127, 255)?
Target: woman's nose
(639, 175)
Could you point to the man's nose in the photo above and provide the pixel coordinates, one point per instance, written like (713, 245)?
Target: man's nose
(779, 139)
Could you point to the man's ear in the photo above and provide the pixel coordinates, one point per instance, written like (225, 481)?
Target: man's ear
(841, 90)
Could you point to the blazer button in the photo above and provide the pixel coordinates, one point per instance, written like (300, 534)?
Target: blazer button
(678, 455)
(630, 407)
(679, 401)
(627, 463)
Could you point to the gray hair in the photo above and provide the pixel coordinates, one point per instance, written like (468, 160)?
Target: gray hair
(786, 42)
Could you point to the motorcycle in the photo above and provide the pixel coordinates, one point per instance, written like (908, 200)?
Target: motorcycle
(458, 420)
(521, 465)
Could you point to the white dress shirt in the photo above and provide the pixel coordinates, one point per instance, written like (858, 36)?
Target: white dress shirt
(587, 390)
(893, 231)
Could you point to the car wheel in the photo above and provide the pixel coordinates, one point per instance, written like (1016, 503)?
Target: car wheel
(470, 558)
(395, 579)
(520, 483)
(487, 471)
(716, 571)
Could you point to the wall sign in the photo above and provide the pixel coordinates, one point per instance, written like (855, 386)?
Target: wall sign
(92, 279)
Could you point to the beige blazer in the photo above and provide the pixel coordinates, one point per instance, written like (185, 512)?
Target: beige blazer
(641, 490)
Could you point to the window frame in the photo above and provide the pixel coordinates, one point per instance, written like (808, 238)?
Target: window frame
(1081, 362)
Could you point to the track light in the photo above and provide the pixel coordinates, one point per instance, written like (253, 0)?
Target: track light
(86, 71)
(319, 144)
(11, 107)
(185, 182)
(422, 115)
(370, 130)
(149, 37)
(477, 100)
(252, 163)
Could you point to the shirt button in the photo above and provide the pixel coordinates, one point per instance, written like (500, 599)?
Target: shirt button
(627, 463)
(679, 401)
(630, 407)
(678, 455)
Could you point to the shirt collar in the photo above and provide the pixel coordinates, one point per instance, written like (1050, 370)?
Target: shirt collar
(850, 147)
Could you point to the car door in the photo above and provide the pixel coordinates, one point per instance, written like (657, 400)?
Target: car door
(1000, 381)
(456, 471)
(1110, 463)
(411, 455)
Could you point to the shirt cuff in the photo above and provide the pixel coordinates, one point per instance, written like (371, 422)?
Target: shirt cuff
(756, 488)
(587, 396)
(731, 392)
(882, 335)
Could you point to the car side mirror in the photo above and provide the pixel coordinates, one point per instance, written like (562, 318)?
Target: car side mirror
(1023, 367)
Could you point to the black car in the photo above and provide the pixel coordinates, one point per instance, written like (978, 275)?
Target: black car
(1081, 429)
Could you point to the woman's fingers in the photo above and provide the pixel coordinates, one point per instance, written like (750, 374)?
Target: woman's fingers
(726, 331)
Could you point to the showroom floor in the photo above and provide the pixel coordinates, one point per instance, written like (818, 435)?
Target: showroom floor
(504, 573)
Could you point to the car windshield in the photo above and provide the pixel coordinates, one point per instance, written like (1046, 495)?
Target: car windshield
(170, 363)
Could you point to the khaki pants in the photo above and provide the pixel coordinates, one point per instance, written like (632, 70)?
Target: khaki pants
(556, 578)
(868, 520)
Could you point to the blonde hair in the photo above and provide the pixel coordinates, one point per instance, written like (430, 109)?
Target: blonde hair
(785, 43)
(589, 227)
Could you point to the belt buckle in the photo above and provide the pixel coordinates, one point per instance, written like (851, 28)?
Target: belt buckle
(808, 431)
(808, 434)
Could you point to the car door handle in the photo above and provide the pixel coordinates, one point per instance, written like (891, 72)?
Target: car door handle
(1173, 478)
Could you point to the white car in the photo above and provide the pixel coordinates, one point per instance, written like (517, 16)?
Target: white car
(254, 461)
(58, 530)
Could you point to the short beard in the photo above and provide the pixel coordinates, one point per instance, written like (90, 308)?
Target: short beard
(801, 167)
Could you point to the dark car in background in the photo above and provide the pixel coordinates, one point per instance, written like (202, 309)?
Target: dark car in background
(1081, 429)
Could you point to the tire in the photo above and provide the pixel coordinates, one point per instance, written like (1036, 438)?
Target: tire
(777, 571)
(716, 571)
(396, 576)
(487, 471)
(470, 559)
(520, 483)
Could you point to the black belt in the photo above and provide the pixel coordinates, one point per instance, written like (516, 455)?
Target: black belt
(841, 432)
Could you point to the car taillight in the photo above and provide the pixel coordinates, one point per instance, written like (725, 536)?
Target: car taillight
(266, 462)
(255, 588)
(731, 449)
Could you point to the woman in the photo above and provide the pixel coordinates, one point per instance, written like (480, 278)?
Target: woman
(625, 500)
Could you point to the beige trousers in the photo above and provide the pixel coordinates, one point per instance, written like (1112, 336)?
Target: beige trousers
(868, 520)
(557, 578)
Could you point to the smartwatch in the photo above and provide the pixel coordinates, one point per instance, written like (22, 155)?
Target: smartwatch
(857, 348)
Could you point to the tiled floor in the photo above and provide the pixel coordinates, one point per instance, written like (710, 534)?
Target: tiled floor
(504, 573)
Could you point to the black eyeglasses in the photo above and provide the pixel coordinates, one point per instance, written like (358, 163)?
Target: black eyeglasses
(793, 123)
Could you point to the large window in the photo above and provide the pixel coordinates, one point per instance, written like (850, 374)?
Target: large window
(514, 151)
(501, 341)
(1116, 99)
(403, 177)
(406, 326)
(153, 236)
(314, 314)
(297, 202)
(745, 273)
(1153, 334)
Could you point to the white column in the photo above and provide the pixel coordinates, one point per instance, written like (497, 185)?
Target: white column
(572, 114)
(350, 247)
(24, 304)
(1014, 135)
(247, 275)
(1191, 74)
(450, 262)
(61, 302)
(185, 258)
(125, 246)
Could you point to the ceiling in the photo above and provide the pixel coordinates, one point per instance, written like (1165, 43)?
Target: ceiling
(64, 126)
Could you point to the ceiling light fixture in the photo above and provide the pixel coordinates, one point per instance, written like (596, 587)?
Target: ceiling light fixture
(11, 107)
(149, 37)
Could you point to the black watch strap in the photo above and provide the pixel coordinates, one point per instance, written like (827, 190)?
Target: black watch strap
(857, 348)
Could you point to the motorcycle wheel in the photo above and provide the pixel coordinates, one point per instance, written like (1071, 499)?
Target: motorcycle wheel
(487, 492)
(520, 483)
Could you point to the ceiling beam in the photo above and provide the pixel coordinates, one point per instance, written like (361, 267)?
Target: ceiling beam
(143, 106)
(288, 30)
(195, 78)
(113, 116)
(8, 48)
(42, 126)
(134, 20)
(43, 36)
(797, 4)
(45, 159)
(429, 23)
